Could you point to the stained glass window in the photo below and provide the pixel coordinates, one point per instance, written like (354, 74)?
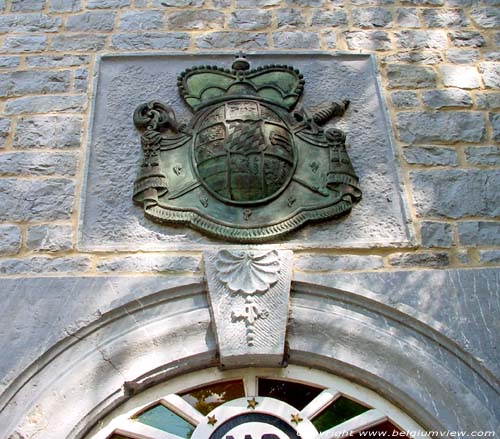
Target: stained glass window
(296, 394)
(164, 419)
(339, 411)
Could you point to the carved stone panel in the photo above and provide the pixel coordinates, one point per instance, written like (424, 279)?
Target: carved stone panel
(249, 292)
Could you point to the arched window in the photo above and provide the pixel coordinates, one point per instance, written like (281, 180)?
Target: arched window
(295, 402)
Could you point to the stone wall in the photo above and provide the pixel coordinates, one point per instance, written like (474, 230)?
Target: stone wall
(440, 73)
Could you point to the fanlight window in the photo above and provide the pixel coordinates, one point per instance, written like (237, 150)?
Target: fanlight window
(254, 404)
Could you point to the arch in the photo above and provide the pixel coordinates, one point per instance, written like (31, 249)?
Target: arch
(169, 333)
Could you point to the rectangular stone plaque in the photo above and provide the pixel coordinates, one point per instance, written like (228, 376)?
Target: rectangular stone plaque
(109, 219)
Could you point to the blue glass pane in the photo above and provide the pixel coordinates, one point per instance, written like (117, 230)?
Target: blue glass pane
(164, 419)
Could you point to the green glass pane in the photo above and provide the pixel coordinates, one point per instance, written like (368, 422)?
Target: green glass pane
(386, 429)
(339, 411)
(164, 419)
(206, 398)
(296, 394)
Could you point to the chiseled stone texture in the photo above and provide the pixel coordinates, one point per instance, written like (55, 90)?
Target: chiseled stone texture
(489, 256)
(226, 39)
(91, 21)
(406, 76)
(460, 76)
(318, 262)
(4, 130)
(488, 101)
(10, 240)
(31, 82)
(195, 19)
(250, 19)
(436, 234)
(49, 238)
(473, 233)
(430, 156)
(46, 104)
(44, 265)
(429, 260)
(38, 163)
(150, 264)
(141, 20)
(483, 155)
(447, 98)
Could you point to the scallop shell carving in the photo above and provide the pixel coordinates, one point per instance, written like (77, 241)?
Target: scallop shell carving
(248, 272)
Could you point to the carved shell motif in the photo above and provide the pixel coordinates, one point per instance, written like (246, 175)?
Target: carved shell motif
(248, 272)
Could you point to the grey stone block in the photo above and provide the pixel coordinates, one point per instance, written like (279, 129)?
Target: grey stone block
(78, 42)
(335, 18)
(456, 193)
(178, 3)
(49, 238)
(410, 76)
(421, 39)
(444, 18)
(4, 130)
(474, 233)
(81, 77)
(27, 82)
(257, 3)
(48, 132)
(141, 20)
(296, 40)
(29, 23)
(450, 126)
(65, 5)
(414, 57)
(407, 17)
(436, 234)
(221, 4)
(38, 163)
(460, 76)
(491, 74)
(447, 98)
(368, 40)
(430, 156)
(462, 257)
(467, 39)
(150, 264)
(483, 155)
(495, 126)
(40, 264)
(430, 260)
(226, 39)
(10, 240)
(289, 18)
(488, 100)
(150, 40)
(423, 2)
(27, 5)
(372, 17)
(107, 4)
(46, 104)
(486, 18)
(461, 56)
(9, 62)
(195, 19)
(24, 43)
(250, 19)
(365, 2)
(315, 262)
(330, 39)
(405, 99)
(91, 21)
(57, 60)
(305, 3)
(489, 256)
(36, 200)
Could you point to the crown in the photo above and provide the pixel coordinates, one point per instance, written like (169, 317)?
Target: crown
(281, 85)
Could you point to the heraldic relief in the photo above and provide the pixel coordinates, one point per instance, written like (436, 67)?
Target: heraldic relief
(249, 166)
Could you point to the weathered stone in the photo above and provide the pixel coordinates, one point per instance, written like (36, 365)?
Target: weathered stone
(491, 74)
(460, 76)
(407, 17)
(420, 39)
(221, 4)
(483, 155)
(78, 42)
(29, 23)
(250, 19)
(447, 98)
(223, 39)
(495, 126)
(141, 20)
(307, 3)
(178, 3)
(296, 40)
(461, 56)
(372, 17)
(10, 240)
(435, 234)
(365, 2)
(414, 57)
(107, 4)
(322, 18)
(444, 18)
(41, 264)
(91, 21)
(49, 238)
(423, 2)
(4, 130)
(410, 76)
(150, 264)
(474, 233)
(467, 39)
(48, 132)
(36, 200)
(27, 82)
(430, 156)
(65, 5)
(486, 17)
(46, 104)
(330, 39)
(257, 3)
(9, 62)
(81, 80)
(370, 40)
(456, 193)
(489, 256)
(420, 127)
(463, 3)
(196, 19)
(289, 18)
(38, 163)
(488, 101)
(24, 43)
(405, 99)
(27, 5)
(314, 262)
(57, 60)
(462, 257)
(149, 40)
(432, 260)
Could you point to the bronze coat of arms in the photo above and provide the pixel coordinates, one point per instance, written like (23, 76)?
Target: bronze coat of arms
(248, 167)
